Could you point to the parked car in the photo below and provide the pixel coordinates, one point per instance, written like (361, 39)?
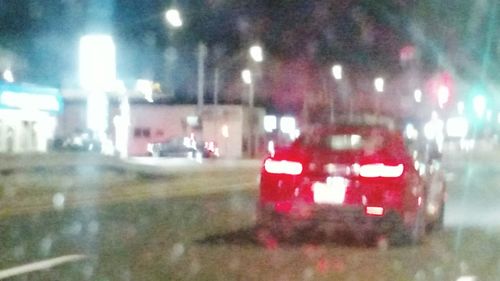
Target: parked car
(80, 141)
(359, 179)
(183, 147)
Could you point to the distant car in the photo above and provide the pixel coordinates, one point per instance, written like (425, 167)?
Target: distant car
(183, 147)
(78, 142)
(359, 179)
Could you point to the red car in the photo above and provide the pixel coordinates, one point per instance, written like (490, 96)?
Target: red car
(355, 178)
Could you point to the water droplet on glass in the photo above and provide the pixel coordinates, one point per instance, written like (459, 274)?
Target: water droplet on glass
(88, 271)
(420, 276)
(58, 201)
(177, 251)
(19, 252)
(45, 246)
(194, 267)
(308, 273)
(93, 227)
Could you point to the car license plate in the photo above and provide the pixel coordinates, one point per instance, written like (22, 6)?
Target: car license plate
(332, 192)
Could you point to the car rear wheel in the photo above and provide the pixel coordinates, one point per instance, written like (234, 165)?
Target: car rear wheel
(396, 233)
(272, 229)
(439, 222)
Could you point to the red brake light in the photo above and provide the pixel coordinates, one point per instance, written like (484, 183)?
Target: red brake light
(381, 170)
(283, 167)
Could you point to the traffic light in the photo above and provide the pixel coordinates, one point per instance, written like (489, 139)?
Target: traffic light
(477, 104)
(441, 88)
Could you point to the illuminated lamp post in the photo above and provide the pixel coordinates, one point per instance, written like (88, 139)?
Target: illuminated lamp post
(378, 83)
(97, 63)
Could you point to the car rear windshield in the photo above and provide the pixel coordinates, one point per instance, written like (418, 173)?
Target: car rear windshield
(371, 141)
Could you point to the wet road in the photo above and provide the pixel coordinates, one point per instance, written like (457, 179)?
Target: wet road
(154, 233)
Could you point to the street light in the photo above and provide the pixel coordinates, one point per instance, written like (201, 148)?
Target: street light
(256, 53)
(417, 94)
(479, 104)
(246, 75)
(379, 84)
(443, 95)
(379, 87)
(337, 71)
(8, 76)
(173, 17)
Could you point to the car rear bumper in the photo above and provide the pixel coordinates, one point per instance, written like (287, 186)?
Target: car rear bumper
(326, 217)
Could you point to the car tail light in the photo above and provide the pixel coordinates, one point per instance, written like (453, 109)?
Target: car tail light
(374, 211)
(381, 170)
(283, 167)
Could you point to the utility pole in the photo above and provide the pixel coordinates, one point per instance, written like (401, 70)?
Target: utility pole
(202, 54)
(216, 86)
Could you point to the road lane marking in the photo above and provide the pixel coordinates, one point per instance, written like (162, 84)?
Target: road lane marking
(39, 265)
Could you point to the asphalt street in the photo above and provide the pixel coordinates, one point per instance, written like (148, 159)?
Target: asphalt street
(196, 222)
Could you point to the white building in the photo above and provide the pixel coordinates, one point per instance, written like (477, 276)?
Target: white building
(27, 117)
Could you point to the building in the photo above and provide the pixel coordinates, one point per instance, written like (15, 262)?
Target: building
(28, 117)
(227, 126)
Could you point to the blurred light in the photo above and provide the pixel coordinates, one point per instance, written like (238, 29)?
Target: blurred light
(97, 62)
(122, 123)
(145, 87)
(379, 84)
(411, 132)
(381, 170)
(287, 125)
(246, 75)
(417, 94)
(58, 201)
(467, 278)
(323, 193)
(199, 157)
(457, 127)
(30, 101)
(498, 118)
(489, 114)
(270, 148)
(225, 131)
(256, 53)
(434, 128)
(375, 211)
(173, 17)
(443, 95)
(295, 134)
(8, 76)
(119, 87)
(467, 144)
(479, 104)
(193, 121)
(107, 146)
(283, 167)
(186, 141)
(460, 107)
(407, 53)
(337, 72)
(97, 112)
(270, 123)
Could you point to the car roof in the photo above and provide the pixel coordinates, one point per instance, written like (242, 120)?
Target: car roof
(350, 128)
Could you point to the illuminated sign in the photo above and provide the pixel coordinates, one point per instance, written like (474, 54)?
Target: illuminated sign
(97, 62)
(29, 97)
(29, 101)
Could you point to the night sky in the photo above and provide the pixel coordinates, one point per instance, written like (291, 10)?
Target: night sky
(39, 40)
